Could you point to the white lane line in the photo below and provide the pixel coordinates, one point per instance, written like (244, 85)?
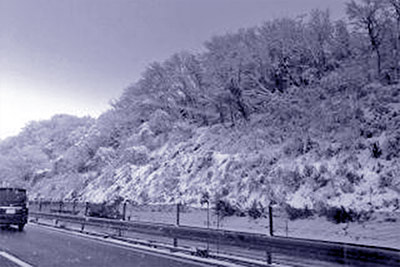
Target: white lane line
(14, 259)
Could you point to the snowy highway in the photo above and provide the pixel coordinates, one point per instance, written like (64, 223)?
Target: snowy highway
(39, 246)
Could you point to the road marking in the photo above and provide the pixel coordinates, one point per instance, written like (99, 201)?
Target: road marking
(14, 259)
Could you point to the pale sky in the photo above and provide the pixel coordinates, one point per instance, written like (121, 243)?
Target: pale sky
(74, 56)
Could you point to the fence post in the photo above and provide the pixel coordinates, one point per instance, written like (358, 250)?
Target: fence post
(124, 211)
(86, 208)
(40, 205)
(178, 206)
(61, 206)
(287, 228)
(271, 228)
(208, 224)
(218, 214)
(74, 206)
(208, 214)
(177, 213)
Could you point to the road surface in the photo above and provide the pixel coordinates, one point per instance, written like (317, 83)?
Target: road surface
(40, 246)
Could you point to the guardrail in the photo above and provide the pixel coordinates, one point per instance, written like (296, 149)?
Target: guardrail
(334, 252)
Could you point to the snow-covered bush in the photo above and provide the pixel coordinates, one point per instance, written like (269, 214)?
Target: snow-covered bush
(105, 210)
(137, 155)
(343, 215)
(160, 122)
(256, 210)
(298, 213)
(223, 208)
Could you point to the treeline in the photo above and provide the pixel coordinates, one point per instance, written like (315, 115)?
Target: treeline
(240, 74)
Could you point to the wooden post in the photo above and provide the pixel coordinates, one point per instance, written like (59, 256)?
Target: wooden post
(40, 205)
(61, 206)
(271, 228)
(74, 206)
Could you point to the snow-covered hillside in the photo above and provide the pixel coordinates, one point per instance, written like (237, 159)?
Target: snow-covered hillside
(299, 112)
(245, 165)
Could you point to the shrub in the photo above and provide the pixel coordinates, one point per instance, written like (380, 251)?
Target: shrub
(310, 145)
(223, 208)
(347, 187)
(295, 213)
(255, 211)
(105, 210)
(323, 169)
(309, 171)
(386, 180)
(342, 215)
(376, 151)
(292, 179)
(392, 147)
(353, 178)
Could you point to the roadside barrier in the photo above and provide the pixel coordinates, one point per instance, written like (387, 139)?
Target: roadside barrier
(334, 252)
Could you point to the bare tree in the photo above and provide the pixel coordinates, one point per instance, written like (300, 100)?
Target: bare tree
(341, 41)
(320, 32)
(367, 15)
(395, 4)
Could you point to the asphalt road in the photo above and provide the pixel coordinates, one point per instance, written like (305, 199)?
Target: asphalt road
(39, 246)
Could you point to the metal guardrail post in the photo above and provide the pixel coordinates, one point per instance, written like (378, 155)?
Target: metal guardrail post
(269, 257)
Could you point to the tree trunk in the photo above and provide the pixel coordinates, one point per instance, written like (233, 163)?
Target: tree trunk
(378, 59)
(397, 55)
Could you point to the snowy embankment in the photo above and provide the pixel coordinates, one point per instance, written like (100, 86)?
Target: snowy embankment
(243, 168)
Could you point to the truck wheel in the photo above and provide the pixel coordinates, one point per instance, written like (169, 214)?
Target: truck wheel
(21, 227)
